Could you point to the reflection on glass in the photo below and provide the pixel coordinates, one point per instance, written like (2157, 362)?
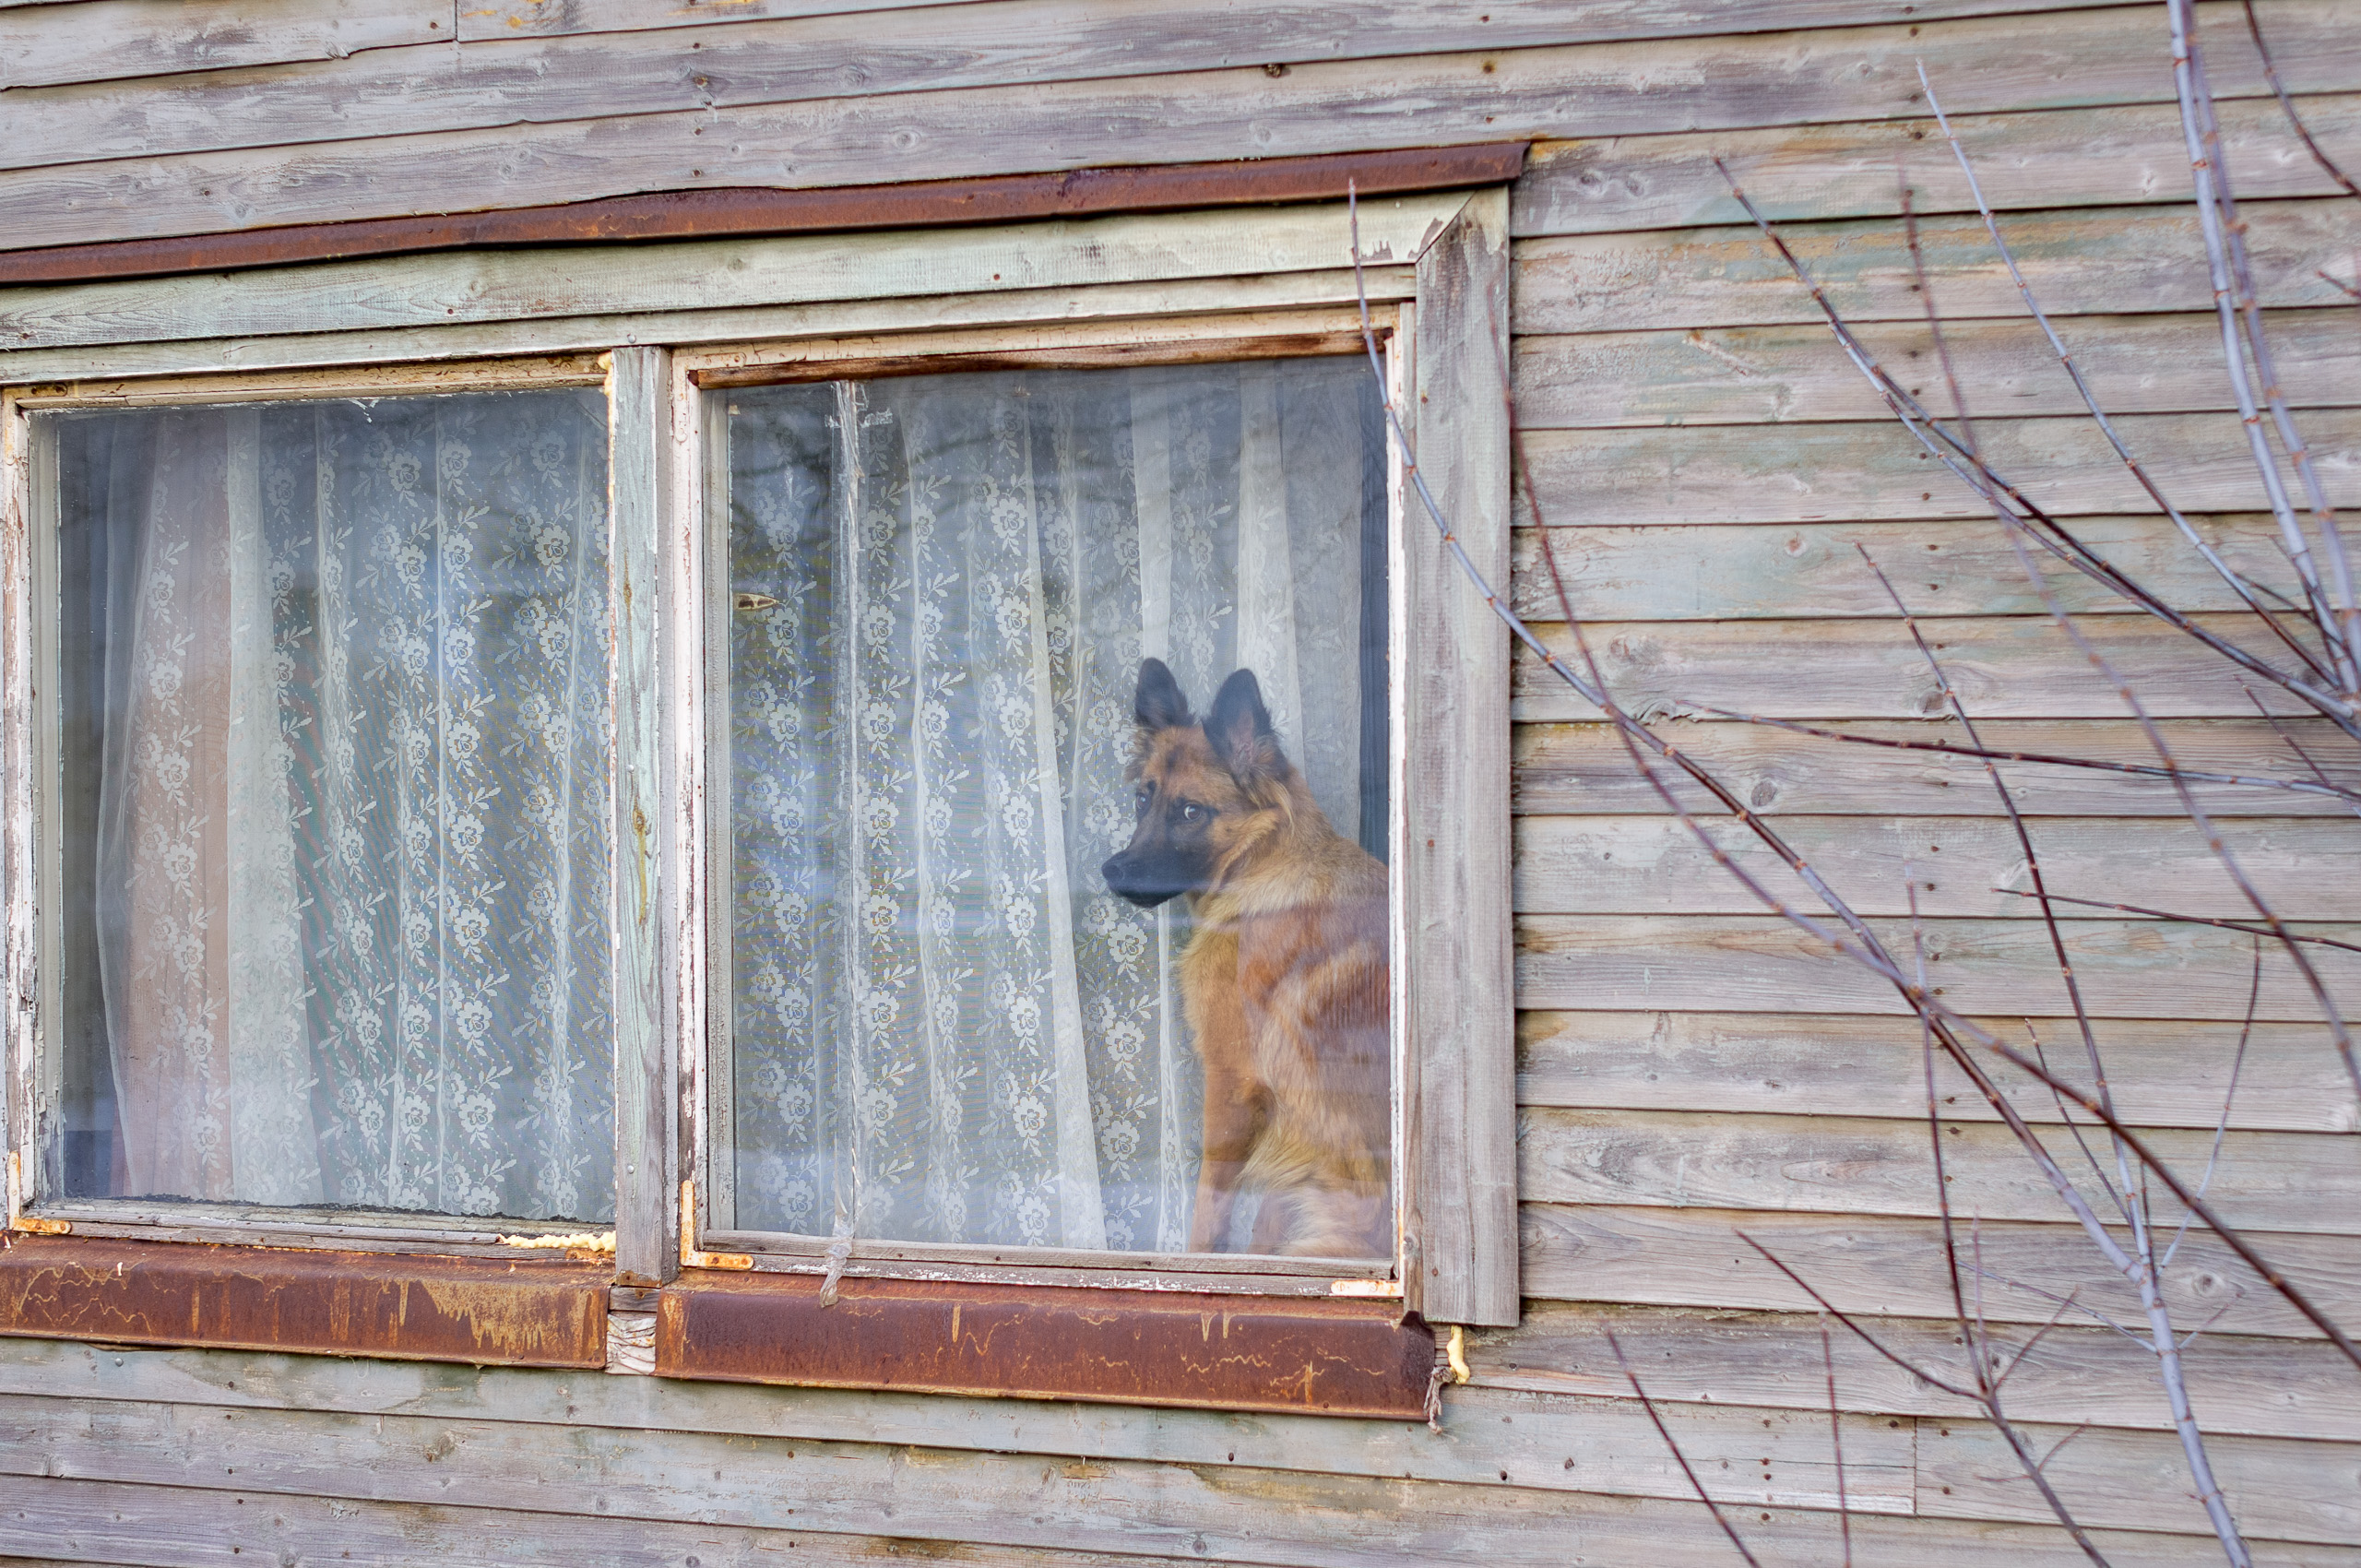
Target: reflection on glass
(947, 1025)
(333, 742)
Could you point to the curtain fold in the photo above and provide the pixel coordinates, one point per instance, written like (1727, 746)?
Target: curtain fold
(945, 1028)
(352, 851)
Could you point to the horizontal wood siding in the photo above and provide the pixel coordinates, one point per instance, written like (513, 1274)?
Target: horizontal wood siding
(1695, 1078)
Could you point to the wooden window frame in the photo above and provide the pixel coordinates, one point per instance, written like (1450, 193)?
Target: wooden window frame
(1158, 287)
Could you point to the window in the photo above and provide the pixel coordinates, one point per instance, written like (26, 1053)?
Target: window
(958, 1008)
(922, 796)
(329, 835)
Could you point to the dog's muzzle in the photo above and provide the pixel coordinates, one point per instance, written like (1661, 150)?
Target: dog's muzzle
(1139, 883)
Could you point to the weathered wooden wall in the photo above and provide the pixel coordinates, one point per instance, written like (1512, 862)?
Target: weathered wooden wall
(1689, 1068)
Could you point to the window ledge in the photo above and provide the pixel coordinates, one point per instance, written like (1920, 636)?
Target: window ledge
(1341, 1358)
(486, 1310)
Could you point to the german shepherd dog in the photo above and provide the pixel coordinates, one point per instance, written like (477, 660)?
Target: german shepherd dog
(1283, 982)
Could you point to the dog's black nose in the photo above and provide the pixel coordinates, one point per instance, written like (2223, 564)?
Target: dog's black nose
(1124, 881)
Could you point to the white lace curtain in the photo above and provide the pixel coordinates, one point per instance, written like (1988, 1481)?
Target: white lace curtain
(946, 1029)
(350, 920)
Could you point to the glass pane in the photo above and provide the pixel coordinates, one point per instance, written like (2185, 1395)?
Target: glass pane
(979, 992)
(333, 742)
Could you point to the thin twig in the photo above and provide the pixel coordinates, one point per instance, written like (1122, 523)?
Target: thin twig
(1678, 1457)
(2168, 915)
(2271, 74)
(1837, 1442)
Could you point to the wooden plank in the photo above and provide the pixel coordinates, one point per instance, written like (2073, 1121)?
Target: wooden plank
(2113, 156)
(1534, 1438)
(1453, 991)
(185, 1527)
(2133, 260)
(2306, 868)
(2003, 667)
(2263, 1387)
(2288, 1181)
(778, 1482)
(2161, 1075)
(1893, 1267)
(1622, 19)
(1240, 298)
(413, 291)
(1985, 64)
(1740, 963)
(1877, 470)
(640, 517)
(1738, 571)
(740, 55)
(103, 40)
(1792, 372)
(170, 1526)
(1584, 767)
(2276, 1488)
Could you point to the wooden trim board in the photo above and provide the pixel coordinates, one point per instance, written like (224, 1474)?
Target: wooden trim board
(751, 210)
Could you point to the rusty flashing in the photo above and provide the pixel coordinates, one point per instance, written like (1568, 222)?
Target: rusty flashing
(755, 210)
(1310, 1355)
(486, 1310)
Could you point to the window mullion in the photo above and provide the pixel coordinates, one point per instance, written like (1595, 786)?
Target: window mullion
(646, 867)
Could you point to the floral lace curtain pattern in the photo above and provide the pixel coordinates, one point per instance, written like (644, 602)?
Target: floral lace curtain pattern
(944, 1027)
(349, 921)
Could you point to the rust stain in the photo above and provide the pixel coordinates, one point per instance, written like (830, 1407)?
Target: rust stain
(1315, 1354)
(425, 1308)
(764, 211)
(33, 1225)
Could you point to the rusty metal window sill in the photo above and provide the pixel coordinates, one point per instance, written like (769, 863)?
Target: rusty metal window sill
(532, 1312)
(1201, 1351)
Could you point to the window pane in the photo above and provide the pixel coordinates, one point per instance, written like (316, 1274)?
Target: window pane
(947, 1025)
(333, 741)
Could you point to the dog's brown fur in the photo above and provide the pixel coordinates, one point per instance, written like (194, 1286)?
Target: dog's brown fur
(1284, 982)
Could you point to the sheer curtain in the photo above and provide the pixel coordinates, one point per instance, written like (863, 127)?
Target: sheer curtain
(946, 1029)
(350, 847)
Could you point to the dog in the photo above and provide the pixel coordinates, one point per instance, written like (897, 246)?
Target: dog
(1284, 982)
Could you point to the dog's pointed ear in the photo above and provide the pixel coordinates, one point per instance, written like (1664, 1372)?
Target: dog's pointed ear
(1159, 703)
(1240, 729)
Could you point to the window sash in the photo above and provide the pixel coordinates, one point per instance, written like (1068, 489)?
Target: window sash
(708, 1056)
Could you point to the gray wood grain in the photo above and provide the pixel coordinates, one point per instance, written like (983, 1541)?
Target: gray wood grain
(1893, 1267)
(1939, 567)
(1877, 470)
(102, 39)
(459, 288)
(647, 1063)
(2290, 1491)
(2288, 1181)
(2306, 868)
(2261, 1387)
(1795, 373)
(2111, 156)
(1620, 18)
(1746, 963)
(1584, 767)
(1579, 90)
(2163, 1073)
(184, 1528)
(579, 65)
(1451, 852)
(1534, 1436)
(2114, 262)
(2003, 667)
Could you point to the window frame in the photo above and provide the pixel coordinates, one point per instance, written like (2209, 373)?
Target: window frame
(1439, 269)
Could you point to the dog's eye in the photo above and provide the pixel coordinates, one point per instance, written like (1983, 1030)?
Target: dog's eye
(1193, 813)
(1142, 798)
